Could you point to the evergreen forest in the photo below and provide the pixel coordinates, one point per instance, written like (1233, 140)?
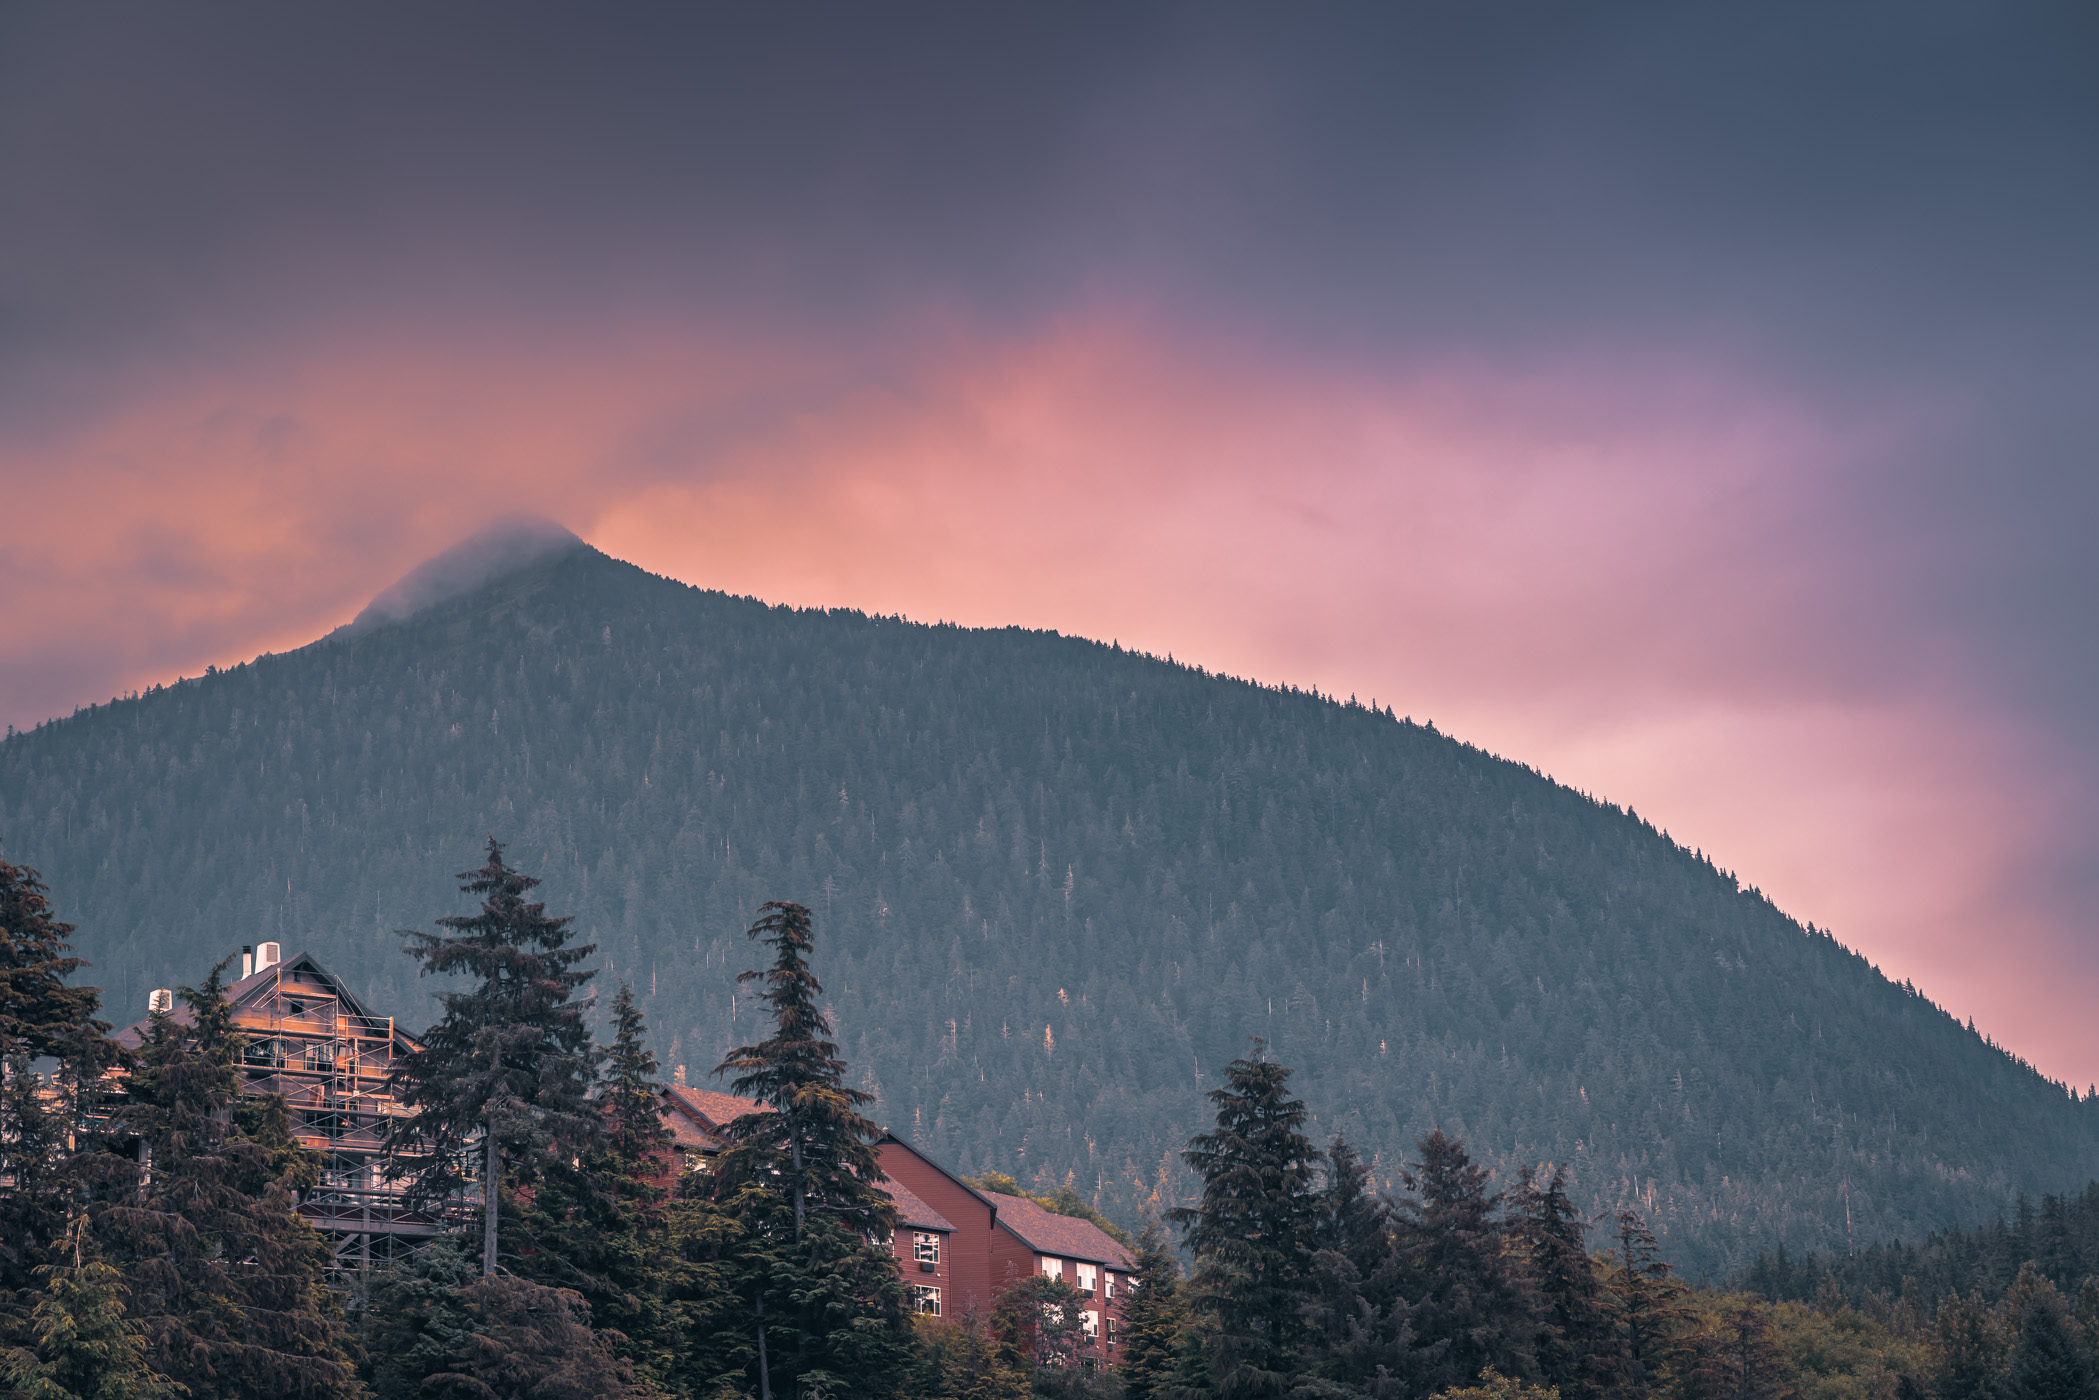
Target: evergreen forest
(151, 1249)
(1060, 885)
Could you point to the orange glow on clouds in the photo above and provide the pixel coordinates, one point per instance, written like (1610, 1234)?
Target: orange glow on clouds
(1616, 575)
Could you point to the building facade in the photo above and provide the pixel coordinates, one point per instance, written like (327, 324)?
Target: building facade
(311, 1040)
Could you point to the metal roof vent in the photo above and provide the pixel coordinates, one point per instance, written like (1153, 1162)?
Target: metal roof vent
(267, 955)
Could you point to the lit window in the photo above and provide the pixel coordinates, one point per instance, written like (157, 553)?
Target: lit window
(928, 1301)
(1086, 1279)
(925, 1246)
(1090, 1324)
(1053, 1268)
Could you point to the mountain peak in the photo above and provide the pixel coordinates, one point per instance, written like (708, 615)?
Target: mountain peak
(507, 546)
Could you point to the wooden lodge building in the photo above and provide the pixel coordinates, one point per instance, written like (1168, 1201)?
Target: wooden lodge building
(311, 1040)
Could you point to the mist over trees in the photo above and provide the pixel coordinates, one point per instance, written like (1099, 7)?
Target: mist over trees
(1060, 883)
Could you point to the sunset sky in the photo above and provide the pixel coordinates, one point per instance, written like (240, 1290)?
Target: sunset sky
(1695, 403)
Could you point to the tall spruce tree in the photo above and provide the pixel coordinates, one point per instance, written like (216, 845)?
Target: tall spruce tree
(1577, 1347)
(41, 1017)
(1357, 1319)
(801, 1181)
(598, 1225)
(39, 1013)
(226, 1281)
(1645, 1304)
(1468, 1306)
(510, 1060)
(1253, 1232)
(1354, 1222)
(2047, 1361)
(1153, 1316)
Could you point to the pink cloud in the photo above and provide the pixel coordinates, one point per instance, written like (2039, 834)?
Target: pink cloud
(1632, 577)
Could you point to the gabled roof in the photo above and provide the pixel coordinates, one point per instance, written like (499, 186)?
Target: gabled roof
(913, 1212)
(711, 1108)
(1064, 1236)
(695, 1116)
(255, 985)
(986, 1197)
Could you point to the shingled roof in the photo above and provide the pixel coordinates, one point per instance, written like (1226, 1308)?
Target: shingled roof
(911, 1211)
(696, 1124)
(1064, 1236)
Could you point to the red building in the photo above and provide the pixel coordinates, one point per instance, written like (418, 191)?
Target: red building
(957, 1248)
(998, 1240)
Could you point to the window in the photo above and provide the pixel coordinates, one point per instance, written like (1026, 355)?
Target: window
(1053, 1268)
(695, 1161)
(1107, 1283)
(925, 1246)
(1090, 1324)
(1086, 1279)
(1109, 1322)
(928, 1301)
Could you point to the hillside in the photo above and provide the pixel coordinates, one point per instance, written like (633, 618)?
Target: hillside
(1058, 885)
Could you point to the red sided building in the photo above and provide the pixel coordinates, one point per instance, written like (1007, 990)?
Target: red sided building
(957, 1248)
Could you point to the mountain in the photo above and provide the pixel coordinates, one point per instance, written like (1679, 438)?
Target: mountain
(1057, 885)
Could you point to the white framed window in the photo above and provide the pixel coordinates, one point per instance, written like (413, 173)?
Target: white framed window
(928, 1300)
(1087, 1279)
(1052, 1268)
(1107, 1283)
(1090, 1324)
(925, 1246)
(1108, 1325)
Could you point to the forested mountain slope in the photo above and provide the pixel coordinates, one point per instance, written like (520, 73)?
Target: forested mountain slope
(1057, 884)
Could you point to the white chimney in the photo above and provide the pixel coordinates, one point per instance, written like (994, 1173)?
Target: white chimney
(247, 960)
(162, 1001)
(267, 955)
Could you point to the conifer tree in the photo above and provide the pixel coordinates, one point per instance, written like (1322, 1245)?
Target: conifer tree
(1645, 1306)
(1737, 1360)
(1153, 1317)
(801, 1183)
(40, 1016)
(510, 1060)
(814, 1139)
(1468, 1307)
(598, 1225)
(81, 1344)
(39, 1013)
(525, 1341)
(224, 1279)
(416, 1323)
(1358, 1323)
(1971, 1344)
(1577, 1348)
(1253, 1232)
(1354, 1222)
(2047, 1362)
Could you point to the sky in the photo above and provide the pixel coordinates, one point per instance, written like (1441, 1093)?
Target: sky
(1693, 402)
